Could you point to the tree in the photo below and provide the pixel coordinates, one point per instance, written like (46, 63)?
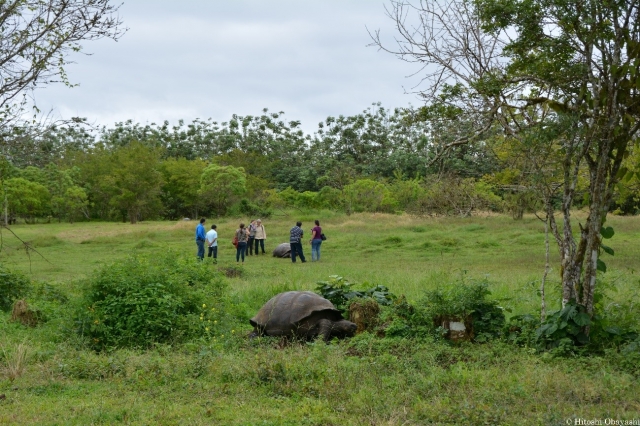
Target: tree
(137, 181)
(221, 185)
(76, 203)
(527, 65)
(95, 167)
(36, 39)
(181, 185)
(26, 199)
(367, 195)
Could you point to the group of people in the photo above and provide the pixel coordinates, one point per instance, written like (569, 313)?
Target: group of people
(295, 241)
(209, 238)
(248, 237)
(252, 238)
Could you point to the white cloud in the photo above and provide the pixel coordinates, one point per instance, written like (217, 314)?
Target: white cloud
(206, 59)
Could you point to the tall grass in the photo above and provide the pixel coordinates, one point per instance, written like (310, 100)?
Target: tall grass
(15, 360)
(365, 380)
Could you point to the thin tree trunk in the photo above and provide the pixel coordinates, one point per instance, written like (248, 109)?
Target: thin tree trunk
(547, 267)
(6, 210)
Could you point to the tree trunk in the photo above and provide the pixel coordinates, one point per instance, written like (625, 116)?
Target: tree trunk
(6, 210)
(543, 305)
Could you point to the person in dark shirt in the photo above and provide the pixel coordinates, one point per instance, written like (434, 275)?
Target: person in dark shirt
(316, 241)
(295, 240)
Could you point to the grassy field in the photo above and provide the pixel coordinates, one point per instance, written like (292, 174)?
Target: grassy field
(366, 380)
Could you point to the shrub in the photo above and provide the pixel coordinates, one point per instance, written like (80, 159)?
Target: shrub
(339, 292)
(13, 286)
(247, 208)
(454, 197)
(563, 332)
(521, 329)
(402, 319)
(366, 195)
(144, 300)
(330, 198)
(462, 300)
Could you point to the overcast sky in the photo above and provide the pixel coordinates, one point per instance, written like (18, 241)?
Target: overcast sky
(209, 59)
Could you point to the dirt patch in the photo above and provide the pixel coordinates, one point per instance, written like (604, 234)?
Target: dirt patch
(364, 313)
(22, 313)
(232, 271)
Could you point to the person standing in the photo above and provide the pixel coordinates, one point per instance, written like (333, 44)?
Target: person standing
(295, 240)
(212, 243)
(261, 236)
(252, 237)
(316, 241)
(200, 237)
(242, 234)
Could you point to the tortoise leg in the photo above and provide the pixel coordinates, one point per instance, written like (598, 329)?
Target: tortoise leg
(324, 329)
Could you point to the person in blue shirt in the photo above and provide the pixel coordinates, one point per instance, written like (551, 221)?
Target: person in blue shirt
(200, 237)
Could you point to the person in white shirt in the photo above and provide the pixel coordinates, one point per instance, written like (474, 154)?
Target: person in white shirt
(212, 242)
(260, 236)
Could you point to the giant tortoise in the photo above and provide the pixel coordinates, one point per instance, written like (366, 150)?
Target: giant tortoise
(300, 314)
(283, 250)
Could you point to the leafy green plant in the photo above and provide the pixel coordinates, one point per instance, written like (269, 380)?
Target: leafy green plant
(13, 286)
(462, 300)
(248, 208)
(339, 291)
(402, 319)
(521, 329)
(563, 331)
(144, 300)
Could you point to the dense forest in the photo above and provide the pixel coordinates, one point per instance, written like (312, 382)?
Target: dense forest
(376, 161)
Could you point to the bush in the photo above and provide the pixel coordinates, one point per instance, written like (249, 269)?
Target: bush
(13, 286)
(247, 208)
(339, 292)
(366, 195)
(403, 319)
(455, 197)
(563, 332)
(462, 300)
(521, 329)
(145, 300)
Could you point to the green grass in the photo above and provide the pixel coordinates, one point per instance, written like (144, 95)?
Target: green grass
(367, 380)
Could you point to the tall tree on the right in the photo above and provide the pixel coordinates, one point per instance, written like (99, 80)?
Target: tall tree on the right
(521, 67)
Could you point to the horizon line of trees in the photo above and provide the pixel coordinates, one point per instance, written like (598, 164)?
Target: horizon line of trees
(378, 161)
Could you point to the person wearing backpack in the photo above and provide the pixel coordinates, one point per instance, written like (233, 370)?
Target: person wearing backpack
(316, 241)
(242, 235)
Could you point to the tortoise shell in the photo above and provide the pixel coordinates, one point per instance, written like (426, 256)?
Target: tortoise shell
(283, 312)
(283, 250)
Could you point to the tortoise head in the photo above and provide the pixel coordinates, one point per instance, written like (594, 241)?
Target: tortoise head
(343, 328)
